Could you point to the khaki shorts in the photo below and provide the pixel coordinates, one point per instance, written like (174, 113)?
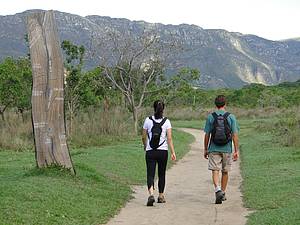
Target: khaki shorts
(219, 161)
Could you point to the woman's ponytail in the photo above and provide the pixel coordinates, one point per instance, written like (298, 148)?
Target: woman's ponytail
(158, 109)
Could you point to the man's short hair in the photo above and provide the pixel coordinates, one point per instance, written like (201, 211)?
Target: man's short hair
(220, 101)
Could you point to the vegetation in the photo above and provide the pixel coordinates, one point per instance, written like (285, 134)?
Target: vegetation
(15, 85)
(270, 157)
(270, 168)
(129, 87)
(106, 106)
(52, 196)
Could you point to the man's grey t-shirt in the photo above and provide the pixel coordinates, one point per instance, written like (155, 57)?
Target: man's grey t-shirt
(208, 129)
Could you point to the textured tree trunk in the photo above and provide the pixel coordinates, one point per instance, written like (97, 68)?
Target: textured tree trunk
(47, 92)
(135, 118)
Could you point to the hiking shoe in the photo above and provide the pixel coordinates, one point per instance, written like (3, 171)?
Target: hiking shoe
(161, 199)
(224, 197)
(151, 200)
(219, 197)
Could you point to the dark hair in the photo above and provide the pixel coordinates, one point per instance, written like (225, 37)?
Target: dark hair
(220, 101)
(159, 107)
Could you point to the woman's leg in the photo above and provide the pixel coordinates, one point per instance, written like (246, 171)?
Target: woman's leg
(151, 164)
(162, 165)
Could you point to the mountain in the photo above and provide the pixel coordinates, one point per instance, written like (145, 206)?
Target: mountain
(225, 59)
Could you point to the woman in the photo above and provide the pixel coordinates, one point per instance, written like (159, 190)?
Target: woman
(157, 136)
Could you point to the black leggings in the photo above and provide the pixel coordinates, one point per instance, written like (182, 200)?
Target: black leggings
(161, 158)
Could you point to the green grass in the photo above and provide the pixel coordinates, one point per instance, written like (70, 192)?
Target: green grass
(271, 171)
(196, 124)
(271, 174)
(53, 196)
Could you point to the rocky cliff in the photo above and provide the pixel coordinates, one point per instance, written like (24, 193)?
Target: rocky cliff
(225, 59)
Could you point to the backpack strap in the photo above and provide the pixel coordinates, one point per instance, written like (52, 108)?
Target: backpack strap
(161, 124)
(163, 121)
(215, 115)
(226, 115)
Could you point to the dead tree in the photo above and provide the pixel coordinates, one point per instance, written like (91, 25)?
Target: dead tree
(47, 92)
(134, 65)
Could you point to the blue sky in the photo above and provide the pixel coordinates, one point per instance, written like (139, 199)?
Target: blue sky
(271, 19)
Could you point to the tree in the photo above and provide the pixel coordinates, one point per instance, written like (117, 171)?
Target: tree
(23, 99)
(15, 84)
(82, 89)
(135, 65)
(47, 92)
(182, 91)
(74, 62)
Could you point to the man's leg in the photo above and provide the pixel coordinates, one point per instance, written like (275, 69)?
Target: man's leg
(215, 178)
(224, 180)
(214, 164)
(226, 165)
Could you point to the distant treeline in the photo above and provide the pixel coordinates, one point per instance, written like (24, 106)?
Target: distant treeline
(92, 91)
(283, 95)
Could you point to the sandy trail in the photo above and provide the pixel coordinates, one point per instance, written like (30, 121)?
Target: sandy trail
(189, 195)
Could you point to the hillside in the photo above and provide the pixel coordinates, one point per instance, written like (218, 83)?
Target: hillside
(225, 59)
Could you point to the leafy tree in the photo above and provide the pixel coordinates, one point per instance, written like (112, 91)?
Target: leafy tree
(23, 99)
(74, 63)
(181, 90)
(82, 89)
(15, 84)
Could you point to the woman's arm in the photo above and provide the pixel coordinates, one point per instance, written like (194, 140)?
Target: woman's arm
(170, 143)
(144, 138)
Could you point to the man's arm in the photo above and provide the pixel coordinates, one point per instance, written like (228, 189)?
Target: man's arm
(235, 140)
(206, 141)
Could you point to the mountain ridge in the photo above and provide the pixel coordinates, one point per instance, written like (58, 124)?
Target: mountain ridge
(225, 59)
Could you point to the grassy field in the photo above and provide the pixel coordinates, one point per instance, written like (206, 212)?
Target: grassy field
(53, 196)
(195, 124)
(271, 175)
(270, 169)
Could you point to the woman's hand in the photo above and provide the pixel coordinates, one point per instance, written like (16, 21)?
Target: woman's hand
(173, 156)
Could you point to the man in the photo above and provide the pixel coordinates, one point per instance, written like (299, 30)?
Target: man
(221, 129)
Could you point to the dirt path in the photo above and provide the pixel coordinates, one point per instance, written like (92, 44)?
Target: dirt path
(189, 196)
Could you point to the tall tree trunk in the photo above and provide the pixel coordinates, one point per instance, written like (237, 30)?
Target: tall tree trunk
(135, 118)
(2, 113)
(2, 116)
(47, 92)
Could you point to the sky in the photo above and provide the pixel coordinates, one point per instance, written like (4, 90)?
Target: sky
(270, 19)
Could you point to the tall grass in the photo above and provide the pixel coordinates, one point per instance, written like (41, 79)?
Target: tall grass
(191, 113)
(187, 113)
(97, 127)
(94, 127)
(16, 133)
(270, 171)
